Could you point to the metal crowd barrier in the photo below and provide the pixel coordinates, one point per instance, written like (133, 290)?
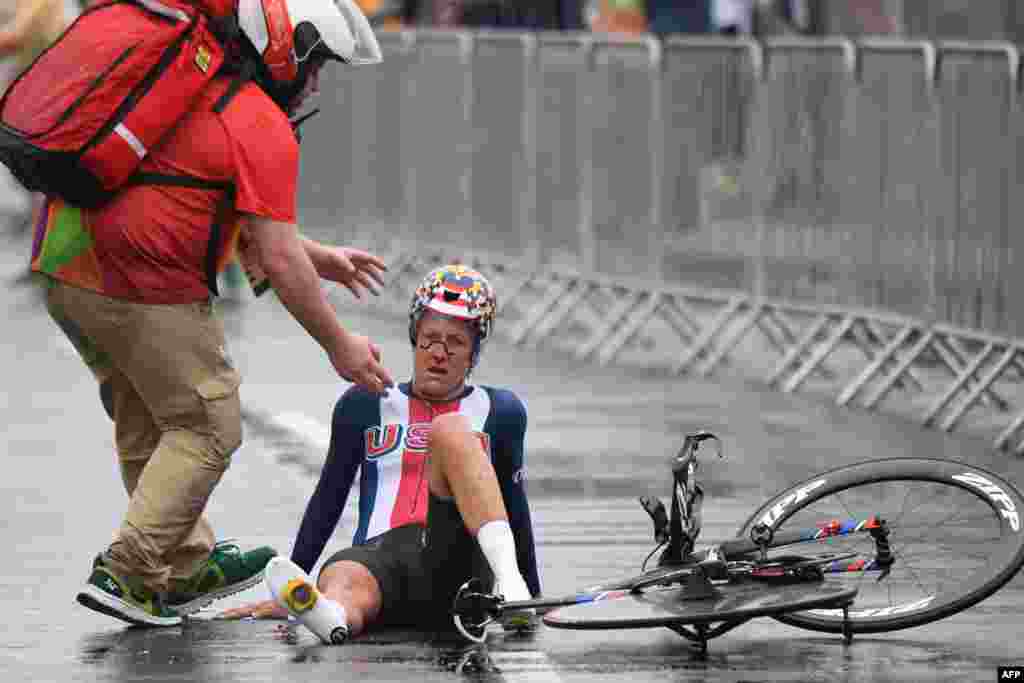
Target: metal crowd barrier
(820, 193)
(941, 376)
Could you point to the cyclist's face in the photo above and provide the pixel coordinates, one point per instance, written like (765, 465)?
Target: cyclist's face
(444, 349)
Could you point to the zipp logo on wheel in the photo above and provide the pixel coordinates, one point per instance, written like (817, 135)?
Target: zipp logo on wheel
(774, 513)
(1006, 507)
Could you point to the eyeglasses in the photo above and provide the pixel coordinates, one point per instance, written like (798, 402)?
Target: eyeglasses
(426, 345)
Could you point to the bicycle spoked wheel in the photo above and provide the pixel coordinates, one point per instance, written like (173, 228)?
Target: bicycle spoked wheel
(955, 532)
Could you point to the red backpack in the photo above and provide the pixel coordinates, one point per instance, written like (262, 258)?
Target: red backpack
(78, 122)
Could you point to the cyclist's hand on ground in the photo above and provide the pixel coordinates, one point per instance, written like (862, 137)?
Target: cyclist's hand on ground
(357, 359)
(358, 270)
(268, 609)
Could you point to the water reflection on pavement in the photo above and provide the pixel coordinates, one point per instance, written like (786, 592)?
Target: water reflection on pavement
(964, 648)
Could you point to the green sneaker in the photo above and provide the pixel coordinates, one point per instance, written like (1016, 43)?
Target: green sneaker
(226, 572)
(124, 598)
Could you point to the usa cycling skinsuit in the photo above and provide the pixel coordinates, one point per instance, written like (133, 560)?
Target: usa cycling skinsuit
(414, 543)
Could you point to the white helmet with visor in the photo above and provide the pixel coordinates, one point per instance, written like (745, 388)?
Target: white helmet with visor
(289, 35)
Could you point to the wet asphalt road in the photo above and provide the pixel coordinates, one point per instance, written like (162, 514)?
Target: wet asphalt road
(598, 438)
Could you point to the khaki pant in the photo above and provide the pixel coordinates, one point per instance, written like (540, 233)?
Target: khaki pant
(173, 396)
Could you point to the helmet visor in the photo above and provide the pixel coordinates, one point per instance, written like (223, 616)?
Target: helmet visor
(309, 45)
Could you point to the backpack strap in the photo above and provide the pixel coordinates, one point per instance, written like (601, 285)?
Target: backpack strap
(236, 84)
(178, 181)
(216, 229)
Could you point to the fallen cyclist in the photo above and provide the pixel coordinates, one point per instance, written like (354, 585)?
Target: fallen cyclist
(441, 491)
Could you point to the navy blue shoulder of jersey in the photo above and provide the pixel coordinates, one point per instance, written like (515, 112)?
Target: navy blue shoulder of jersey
(357, 407)
(507, 417)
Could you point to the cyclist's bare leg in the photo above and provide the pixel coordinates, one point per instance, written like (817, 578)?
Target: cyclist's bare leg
(461, 468)
(352, 586)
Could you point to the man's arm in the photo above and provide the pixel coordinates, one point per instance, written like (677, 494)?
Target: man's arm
(284, 259)
(328, 501)
(510, 469)
(282, 256)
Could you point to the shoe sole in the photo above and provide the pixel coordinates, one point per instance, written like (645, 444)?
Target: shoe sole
(199, 603)
(300, 599)
(105, 603)
(303, 601)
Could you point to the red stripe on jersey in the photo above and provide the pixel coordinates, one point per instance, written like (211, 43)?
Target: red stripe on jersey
(414, 487)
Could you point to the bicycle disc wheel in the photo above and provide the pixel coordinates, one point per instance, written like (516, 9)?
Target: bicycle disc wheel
(955, 532)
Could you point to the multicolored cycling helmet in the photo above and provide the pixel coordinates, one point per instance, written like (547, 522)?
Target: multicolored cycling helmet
(460, 292)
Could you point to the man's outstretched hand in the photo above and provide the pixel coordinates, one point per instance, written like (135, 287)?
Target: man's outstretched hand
(357, 359)
(356, 269)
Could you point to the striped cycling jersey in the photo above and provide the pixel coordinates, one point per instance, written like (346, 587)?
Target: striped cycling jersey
(384, 439)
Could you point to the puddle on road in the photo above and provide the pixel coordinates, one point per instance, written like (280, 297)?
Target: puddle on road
(760, 651)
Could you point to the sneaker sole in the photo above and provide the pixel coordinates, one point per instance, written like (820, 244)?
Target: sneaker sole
(297, 600)
(302, 599)
(199, 603)
(105, 603)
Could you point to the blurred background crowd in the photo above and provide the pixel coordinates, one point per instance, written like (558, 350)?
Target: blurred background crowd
(949, 19)
(27, 25)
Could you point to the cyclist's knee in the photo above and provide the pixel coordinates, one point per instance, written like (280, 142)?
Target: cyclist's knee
(355, 587)
(346, 576)
(447, 433)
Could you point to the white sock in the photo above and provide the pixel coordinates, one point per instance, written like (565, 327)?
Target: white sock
(499, 547)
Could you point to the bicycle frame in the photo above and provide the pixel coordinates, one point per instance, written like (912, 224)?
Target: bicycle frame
(732, 581)
(733, 550)
(873, 526)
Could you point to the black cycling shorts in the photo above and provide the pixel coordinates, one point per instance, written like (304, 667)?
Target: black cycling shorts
(419, 568)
